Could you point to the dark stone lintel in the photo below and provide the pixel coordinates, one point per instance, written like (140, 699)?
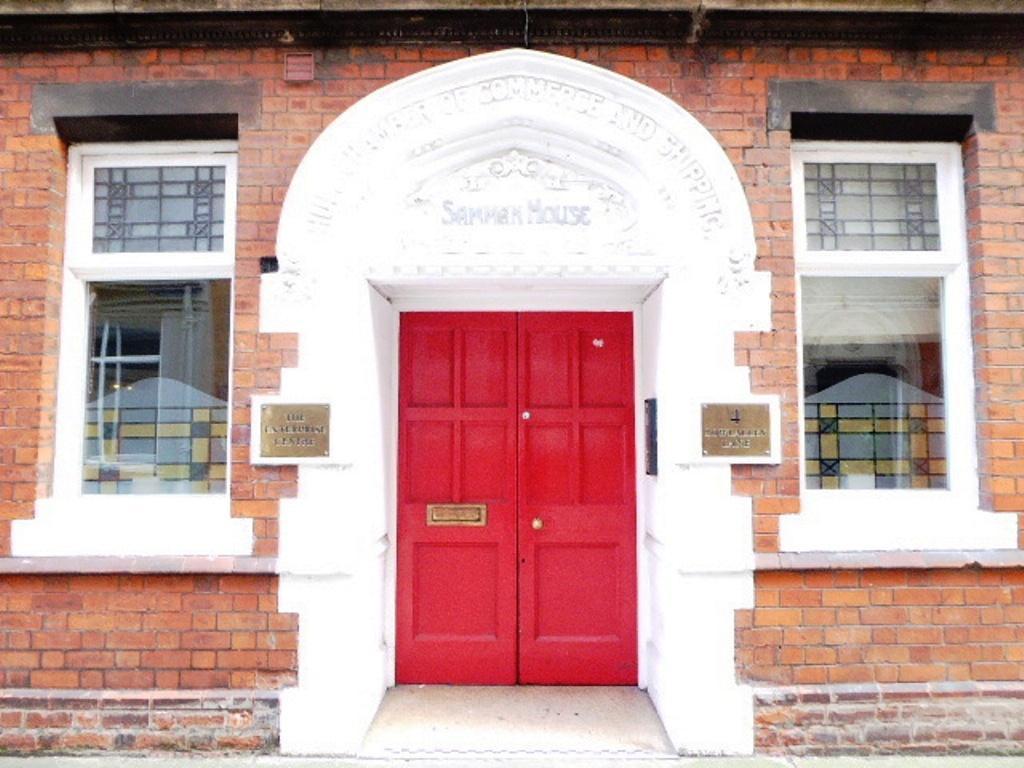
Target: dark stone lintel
(817, 109)
(145, 111)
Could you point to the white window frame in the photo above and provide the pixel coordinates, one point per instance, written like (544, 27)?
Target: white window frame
(901, 519)
(73, 523)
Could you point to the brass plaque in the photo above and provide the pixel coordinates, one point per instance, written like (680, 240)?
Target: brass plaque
(736, 429)
(456, 514)
(295, 430)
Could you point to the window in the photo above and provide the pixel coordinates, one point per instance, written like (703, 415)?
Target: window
(157, 387)
(144, 371)
(889, 456)
(874, 414)
(156, 379)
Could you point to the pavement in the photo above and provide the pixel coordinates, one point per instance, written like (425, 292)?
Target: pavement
(114, 761)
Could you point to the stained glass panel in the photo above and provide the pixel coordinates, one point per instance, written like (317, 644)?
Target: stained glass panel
(871, 207)
(158, 209)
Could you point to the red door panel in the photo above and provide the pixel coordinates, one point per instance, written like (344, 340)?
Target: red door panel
(442, 614)
(577, 571)
(571, 607)
(509, 602)
(456, 614)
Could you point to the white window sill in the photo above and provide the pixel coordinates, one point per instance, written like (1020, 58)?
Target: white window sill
(887, 521)
(927, 560)
(132, 526)
(208, 564)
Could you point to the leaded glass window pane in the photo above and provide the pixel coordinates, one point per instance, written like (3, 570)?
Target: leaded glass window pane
(874, 413)
(162, 208)
(157, 402)
(871, 207)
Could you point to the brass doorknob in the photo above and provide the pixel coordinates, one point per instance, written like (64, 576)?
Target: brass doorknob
(537, 523)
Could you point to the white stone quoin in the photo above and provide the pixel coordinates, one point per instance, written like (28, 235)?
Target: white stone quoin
(522, 181)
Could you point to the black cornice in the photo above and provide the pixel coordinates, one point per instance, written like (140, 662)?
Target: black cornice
(324, 29)
(893, 30)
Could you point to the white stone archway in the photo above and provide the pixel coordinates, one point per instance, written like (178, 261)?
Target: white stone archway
(514, 180)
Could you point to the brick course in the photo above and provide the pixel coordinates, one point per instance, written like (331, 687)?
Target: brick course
(837, 627)
(76, 721)
(144, 632)
(886, 661)
(937, 719)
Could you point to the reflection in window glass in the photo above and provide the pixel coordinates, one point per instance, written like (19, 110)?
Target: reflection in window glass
(874, 411)
(156, 407)
(158, 209)
(871, 207)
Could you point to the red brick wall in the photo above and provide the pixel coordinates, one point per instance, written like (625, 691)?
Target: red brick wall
(32, 188)
(995, 231)
(144, 632)
(723, 87)
(837, 627)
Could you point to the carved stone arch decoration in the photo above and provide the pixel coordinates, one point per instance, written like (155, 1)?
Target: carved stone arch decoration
(410, 169)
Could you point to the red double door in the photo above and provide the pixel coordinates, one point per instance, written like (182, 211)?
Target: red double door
(529, 416)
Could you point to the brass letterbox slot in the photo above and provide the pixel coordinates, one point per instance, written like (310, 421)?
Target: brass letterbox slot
(457, 514)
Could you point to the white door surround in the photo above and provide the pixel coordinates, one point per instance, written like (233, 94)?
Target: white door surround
(514, 180)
